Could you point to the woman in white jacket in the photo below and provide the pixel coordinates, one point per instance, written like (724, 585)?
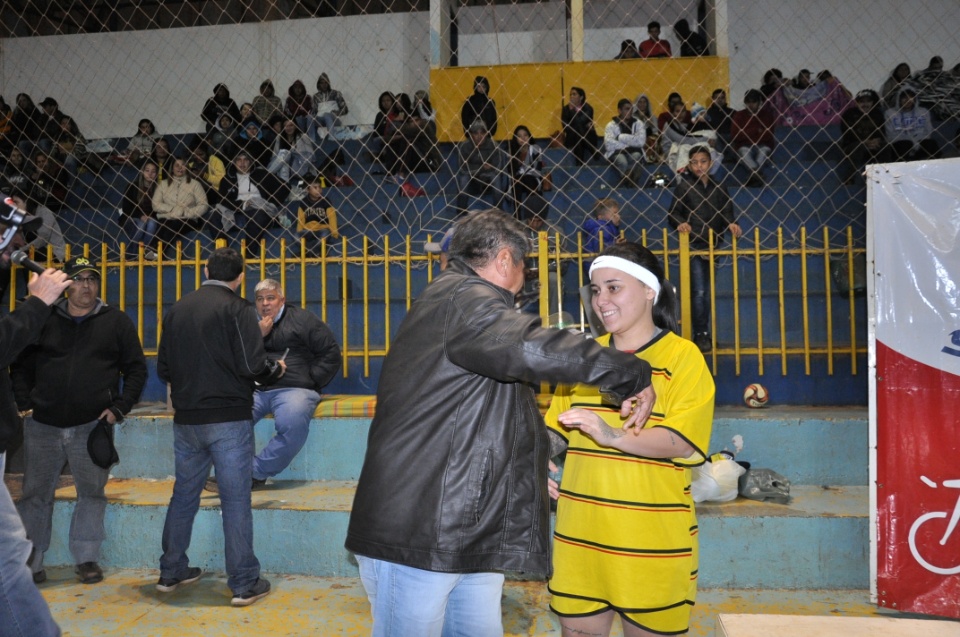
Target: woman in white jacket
(179, 203)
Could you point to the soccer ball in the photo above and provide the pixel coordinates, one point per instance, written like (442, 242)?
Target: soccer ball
(755, 396)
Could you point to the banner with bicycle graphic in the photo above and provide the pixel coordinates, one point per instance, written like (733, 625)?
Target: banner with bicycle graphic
(913, 212)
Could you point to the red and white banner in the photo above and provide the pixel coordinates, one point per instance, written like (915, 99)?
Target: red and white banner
(913, 241)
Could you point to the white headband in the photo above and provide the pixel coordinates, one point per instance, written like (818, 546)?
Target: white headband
(635, 270)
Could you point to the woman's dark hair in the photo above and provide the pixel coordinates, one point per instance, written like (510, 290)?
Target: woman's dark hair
(402, 104)
(267, 84)
(513, 147)
(901, 69)
(380, 101)
(153, 129)
(667, 306)
(142, 191)
(582, 93)
(424, 98)
(772, 73)
(682, 29)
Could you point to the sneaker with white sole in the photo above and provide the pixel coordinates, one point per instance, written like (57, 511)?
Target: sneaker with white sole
(170, 584)
(260, 588)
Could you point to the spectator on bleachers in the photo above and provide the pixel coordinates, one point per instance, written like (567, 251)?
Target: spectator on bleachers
(938, 91)
(163, 158)
(48, 234)
(16, 172)
(402, 153)
(141, 144)
(601, 225)
(772, 81)
(250, 139)
(206, 167)
(315, 219)
(328, 107)
(579, 130)
(692, 43)
(180, 204)
(676, 126)
(425, 117)
(298, 104)
(628, 51)
(223, 137)
(909, 130)
(138, 221)
(935, 66)
(526, 165)
(218, 104)
(624, 144)
(654, 47)
(6, 125)
(479, 106)
(862, 134)
(51, 125)
(752, 135)
(28, 122)
(480, 168)
(49, 182)
(251, 192)
(293, 151)
(802, 81)
(643, 112)
(267, 104)
(890, 91)
(829, 80)
(535, 213)
(71, 150)
(383, 124)
(720, 118)
(701, 204)
(246, 112)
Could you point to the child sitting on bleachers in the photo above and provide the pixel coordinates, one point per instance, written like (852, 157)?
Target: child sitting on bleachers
(603, 222)
(314, 218)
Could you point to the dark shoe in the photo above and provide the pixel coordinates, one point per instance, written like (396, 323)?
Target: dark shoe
(702, 341)
(89, 573)
(258, 484)
(40, 576)
(170, 584)
(211, 485)
(260, 588)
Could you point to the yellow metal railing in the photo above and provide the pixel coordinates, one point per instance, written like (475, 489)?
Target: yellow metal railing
(365, 338)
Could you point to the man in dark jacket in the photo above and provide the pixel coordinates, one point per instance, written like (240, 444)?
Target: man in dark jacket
(479, 107)
(211, 353)
(453, 489)
(24, 611)
(86, 366)
(253, 193)
(312, 356)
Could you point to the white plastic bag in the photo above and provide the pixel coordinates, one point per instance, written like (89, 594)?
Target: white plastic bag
(716, 480)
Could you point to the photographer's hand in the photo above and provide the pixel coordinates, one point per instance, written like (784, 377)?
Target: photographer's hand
(49, 286)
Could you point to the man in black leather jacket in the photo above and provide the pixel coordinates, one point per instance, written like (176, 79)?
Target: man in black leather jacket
(453, 489)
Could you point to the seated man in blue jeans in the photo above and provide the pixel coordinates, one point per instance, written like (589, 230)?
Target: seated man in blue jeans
(312, 355)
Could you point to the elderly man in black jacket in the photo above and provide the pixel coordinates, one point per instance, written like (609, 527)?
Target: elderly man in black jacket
(312, 356)
(453, 489)
(88, 365)
(24, 611)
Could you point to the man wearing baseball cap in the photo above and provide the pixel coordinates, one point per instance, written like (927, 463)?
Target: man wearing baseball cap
(87, 365)
(25, 609)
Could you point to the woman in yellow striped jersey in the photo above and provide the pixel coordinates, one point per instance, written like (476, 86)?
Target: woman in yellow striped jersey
(626, 532)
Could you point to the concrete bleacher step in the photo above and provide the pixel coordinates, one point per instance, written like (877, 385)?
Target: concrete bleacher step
(126, 603)
(818, 541)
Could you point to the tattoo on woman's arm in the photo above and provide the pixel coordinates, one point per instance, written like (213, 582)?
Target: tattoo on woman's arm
(610, 433)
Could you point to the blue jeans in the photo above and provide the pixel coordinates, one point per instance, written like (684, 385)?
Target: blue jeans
(23, 611)
(700, 294)
(141, 232)
(410, 602)
(326, 120)
(46, 450)
(229, 446)
(292, 409)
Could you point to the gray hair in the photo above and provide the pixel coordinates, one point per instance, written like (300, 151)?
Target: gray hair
(479, 237)
(268, 284)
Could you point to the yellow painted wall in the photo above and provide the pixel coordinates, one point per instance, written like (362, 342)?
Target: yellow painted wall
(533, 94)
